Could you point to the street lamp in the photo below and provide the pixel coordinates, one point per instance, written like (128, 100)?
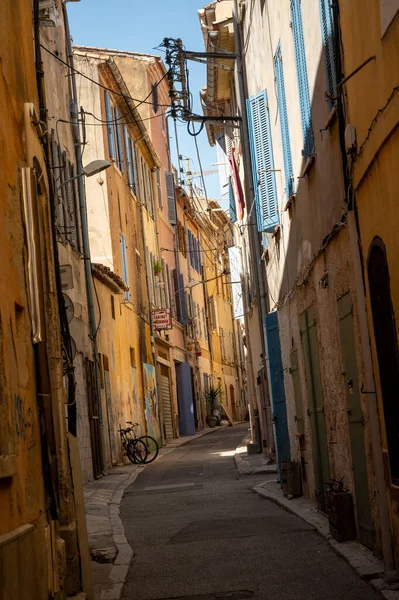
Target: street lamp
(94, 167)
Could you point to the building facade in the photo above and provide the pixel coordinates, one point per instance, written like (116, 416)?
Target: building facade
(303, 176)
(370, 99)
(42, 525)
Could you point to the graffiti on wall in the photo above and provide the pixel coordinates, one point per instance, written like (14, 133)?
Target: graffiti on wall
(151, 401)
(24, 422)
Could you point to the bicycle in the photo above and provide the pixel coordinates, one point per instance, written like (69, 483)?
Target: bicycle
(135, 449)
(150, 443)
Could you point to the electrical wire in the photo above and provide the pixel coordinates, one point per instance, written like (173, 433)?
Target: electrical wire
(104, 87)
(103, 122)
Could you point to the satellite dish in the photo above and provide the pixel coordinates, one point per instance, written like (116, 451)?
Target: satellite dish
(70, 311)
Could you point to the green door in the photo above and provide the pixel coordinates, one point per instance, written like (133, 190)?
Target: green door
(315, 405)
(294, 371)
(355, 420)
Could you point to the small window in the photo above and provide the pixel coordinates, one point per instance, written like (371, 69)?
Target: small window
(113, 307)
(159, 189)
(132, 357)
(125, 271)
(155, 104)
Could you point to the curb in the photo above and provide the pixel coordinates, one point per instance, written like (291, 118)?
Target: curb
(121, 564)
(360, 558)
(244, 466)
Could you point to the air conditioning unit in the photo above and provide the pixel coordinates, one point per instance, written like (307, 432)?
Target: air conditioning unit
(48, 14)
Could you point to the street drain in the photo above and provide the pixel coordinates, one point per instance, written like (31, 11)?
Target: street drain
(235, 595)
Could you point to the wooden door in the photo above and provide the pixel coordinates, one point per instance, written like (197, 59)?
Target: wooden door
(93, 405)
(355, 421)
(321, 463)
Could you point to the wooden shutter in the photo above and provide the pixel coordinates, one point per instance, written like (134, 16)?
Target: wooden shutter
(125, 270)
(302, 75)
(263, 163)
(285, 132)
(118, 140)
(171, 197)
(129, 159)
(327, 31)
(110, 128)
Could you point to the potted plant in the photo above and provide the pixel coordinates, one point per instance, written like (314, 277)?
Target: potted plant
(157, 268)
(213, 396)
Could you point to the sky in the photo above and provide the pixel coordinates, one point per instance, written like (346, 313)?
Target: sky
(140, 27)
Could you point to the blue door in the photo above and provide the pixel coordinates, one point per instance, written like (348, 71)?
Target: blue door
(185, 399)
(278, 392)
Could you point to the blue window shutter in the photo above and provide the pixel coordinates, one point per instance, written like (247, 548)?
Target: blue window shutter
(302, 75)
(119, 153)
(125, 271)
(285, 132)
(232, 203)
(263, 163)
(327, 30)
(110, 128)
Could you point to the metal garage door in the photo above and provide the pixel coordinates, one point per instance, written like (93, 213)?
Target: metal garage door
(166, 403)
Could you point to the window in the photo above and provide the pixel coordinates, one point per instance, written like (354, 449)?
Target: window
(327, 30)
(132, 357)
(113, 307)
(285, 132)
(159, 189)
(150, 275)
(130, 161)
(67, 200)
(125, 272)
(171, 197)
(181, 238)
(194, 249)
(262, 163)
(119, 152)
(147, 188)
(302, 75)
(113, 131)
(154, 93)
(110, 127)
(179, 297)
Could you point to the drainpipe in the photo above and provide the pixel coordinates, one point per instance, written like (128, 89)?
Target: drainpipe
(84, 227)
(249, 188)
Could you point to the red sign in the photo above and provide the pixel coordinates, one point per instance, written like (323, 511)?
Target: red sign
(161, 319)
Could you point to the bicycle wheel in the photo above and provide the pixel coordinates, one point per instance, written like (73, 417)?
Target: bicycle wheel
(136, 452)
(152, 448)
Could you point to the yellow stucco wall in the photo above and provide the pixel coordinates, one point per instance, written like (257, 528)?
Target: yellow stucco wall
(367, 32)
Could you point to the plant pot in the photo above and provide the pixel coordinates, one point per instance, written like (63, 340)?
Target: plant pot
(211, 421)
(189, 347)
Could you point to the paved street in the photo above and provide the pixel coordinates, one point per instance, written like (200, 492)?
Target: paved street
(198, 530)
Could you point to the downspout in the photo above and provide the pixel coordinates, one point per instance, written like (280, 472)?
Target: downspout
(360, 287)
(249, 190)
(84, 227)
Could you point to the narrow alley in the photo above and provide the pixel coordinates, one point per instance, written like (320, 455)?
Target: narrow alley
(199, 531)
(199, 304)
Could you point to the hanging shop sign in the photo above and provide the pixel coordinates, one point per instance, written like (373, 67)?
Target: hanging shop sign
(161, 319)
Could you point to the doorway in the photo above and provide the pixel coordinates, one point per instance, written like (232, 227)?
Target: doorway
(321, 463)
(387, 348)
(355, 420)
